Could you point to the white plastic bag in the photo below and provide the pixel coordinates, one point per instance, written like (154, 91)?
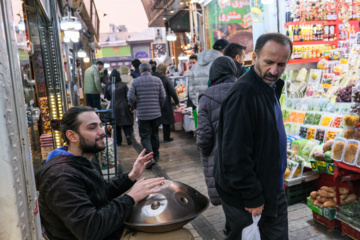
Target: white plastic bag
(252, 232)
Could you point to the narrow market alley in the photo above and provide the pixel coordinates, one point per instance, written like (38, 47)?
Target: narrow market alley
(180, 161)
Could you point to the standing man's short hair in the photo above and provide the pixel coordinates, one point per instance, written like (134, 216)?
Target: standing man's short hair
(70, 120)
(193, 57)
(276, 37)
(145, 67)
(234, 49)
(99, 63)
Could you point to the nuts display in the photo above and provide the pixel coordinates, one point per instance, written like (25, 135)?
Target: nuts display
(320, 133)
(349, 134)
(338, 150)
(351, 120)
(330, 134)
(356, 95)
(350, 153)
(310, 133)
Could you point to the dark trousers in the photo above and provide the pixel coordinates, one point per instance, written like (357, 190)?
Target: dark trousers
(271, 228)
(166, 132)
(93, 100)
(127, 131)
(149, 134)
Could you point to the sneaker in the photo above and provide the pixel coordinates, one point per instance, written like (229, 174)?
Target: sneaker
(128, 139)
(169, 140)
(151, 164)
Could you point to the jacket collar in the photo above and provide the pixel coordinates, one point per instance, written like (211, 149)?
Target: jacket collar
(146, 73)
(261, 83)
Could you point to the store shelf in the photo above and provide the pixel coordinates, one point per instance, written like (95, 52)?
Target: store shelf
(315, 42)
(347, 167)
(306, 60)
(325, 22)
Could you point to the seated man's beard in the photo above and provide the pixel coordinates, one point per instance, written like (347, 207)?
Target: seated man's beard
(90, 148)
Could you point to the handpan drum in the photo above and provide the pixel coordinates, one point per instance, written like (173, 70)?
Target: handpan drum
(173, 207)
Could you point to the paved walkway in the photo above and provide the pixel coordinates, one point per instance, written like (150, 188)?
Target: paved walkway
(180, 160)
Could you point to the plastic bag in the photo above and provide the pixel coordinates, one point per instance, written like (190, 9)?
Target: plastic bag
(252, 232)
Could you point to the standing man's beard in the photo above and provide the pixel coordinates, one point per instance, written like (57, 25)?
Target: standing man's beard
(90, 149)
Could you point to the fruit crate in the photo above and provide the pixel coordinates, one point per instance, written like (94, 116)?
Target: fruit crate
(295, 193)
(329, 224)
(299, 192)
(349, 230)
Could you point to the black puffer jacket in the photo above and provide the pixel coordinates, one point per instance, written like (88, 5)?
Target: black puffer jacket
(222, 77)
(247, 164)
(76, 203)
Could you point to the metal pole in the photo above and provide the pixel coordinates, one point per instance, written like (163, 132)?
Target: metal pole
(113, 120)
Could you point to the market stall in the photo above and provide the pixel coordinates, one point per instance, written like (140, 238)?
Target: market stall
(320, 107)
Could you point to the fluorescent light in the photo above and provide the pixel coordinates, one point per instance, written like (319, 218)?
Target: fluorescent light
(77, 25)
(171, 37)
(74, 39)
(164, 18)
(64, 24)
(86, 59)
(106, 65)
(66, 39)
(181, 58)
(81, 53)
(70, 24)
(267, 1)
(21, 24)
(172, 11)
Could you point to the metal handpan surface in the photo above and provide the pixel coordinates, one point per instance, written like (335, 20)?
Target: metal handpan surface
(173, 207)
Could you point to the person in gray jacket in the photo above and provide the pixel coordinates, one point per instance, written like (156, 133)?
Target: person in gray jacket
(222, 77)
(147, 95)
(199, 77)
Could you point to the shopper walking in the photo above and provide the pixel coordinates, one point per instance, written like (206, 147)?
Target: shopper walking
(124, 117)
(147, 95)
(136, 73)
(199, 78)
(222, 77)
(251, 159)
(125, 77)
(92, 85)
(237, 53)
(167, 113)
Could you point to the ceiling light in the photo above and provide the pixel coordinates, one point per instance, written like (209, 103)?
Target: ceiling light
(171, 36)
(181, 3)
(172, 11)
(86, 59)
(164, 18)
(21, 24)
(66, 39)
(81, 53)
(77, 25)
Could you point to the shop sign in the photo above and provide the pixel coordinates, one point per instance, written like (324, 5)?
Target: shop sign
(109, 52)
(231, 19)
(158, 49)
(142, 51)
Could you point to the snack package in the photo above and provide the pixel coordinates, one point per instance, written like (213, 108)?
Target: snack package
(351, 149)
(337, 148)
(309, 118)
(305, 152)
(292, 166)
(292, 116)
(323, 64)
(294, 131)
(349, 133)
(351, 120)
(285, 114)
(330, 134)
(337, 122)
(303, 131)
(310, 133)
(317, 118)
(320, 134)
(298, 145)
(300, 116)
(326, 120)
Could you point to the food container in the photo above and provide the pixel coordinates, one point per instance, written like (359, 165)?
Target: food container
(330, 134)
(303, 132)
(292, 116)
(300, 116)
(320, 134)
(326, 120)
(317, 118)
(309, 118)
(350, 153)
(337, 122)
(310, 134)
(351, 120)
(337, 148)
(349, 133)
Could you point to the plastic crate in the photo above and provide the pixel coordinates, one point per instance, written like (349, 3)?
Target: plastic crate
(295, 193)
(349, 231)
(329, 224)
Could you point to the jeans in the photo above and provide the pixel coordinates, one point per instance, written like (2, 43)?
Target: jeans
(93, 100)
(271, 228)
(149, 134)
(127, 131)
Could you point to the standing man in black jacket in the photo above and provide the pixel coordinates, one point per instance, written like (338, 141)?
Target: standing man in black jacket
(237, 53)
(251, 158)
(74, 199)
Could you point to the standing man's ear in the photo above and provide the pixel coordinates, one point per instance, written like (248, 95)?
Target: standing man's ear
(72, 136)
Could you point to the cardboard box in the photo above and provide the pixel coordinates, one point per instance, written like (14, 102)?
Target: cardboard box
(328, 213)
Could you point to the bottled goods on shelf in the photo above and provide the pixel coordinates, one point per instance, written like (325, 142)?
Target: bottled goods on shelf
(311, 51)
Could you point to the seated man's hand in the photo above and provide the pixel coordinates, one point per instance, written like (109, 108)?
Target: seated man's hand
(144, 188)
(139, 165)
(255, 211)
